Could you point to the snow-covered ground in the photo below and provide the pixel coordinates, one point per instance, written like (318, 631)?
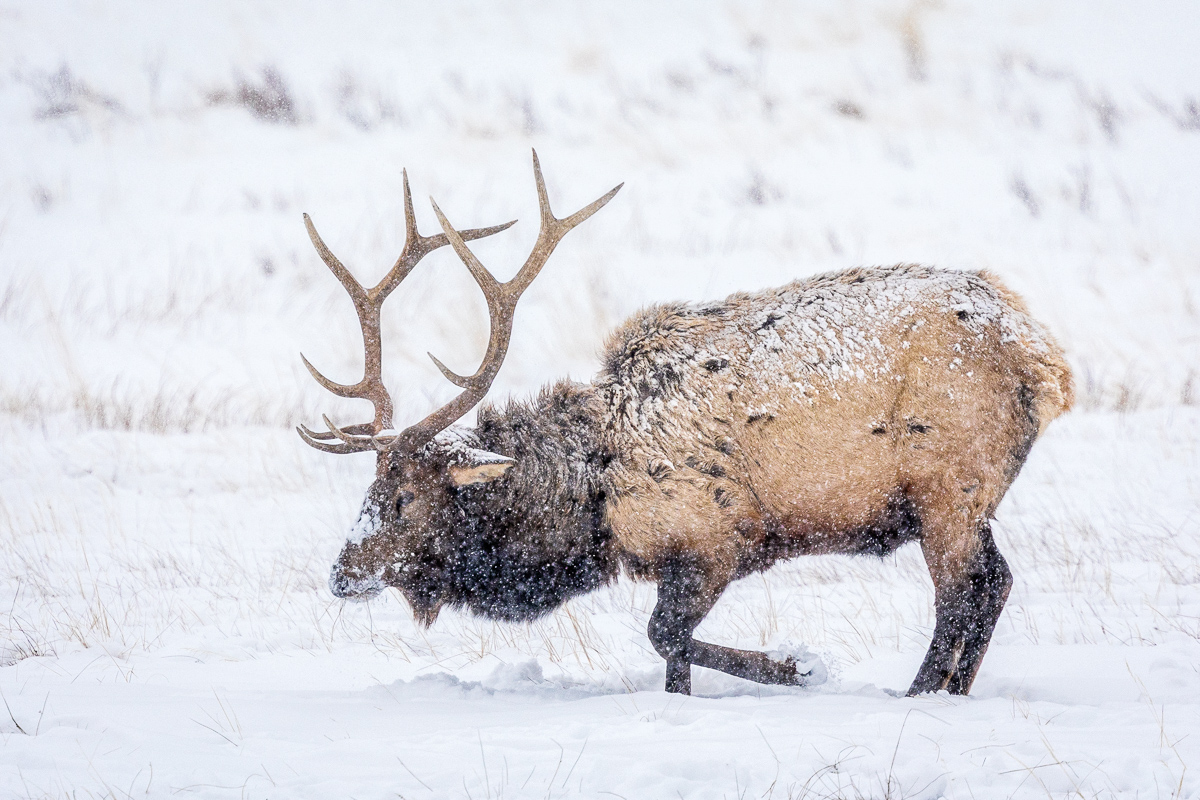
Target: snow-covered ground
(166, 537)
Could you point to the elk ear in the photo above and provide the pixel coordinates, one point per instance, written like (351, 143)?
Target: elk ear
(481, 467)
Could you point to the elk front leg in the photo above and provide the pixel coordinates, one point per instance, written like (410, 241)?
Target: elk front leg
(685, 596)
(969, 601)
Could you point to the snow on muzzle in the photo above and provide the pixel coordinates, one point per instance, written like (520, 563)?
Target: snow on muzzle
(358, 588)
(352, 577)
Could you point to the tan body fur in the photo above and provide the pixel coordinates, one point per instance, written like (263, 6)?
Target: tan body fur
(786, 422)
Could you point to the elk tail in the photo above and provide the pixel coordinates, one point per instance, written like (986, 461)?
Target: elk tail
(1039, 359)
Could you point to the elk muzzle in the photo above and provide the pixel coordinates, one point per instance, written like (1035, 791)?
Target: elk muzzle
(349, 584)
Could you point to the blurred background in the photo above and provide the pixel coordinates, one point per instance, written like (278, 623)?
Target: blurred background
(155, 273)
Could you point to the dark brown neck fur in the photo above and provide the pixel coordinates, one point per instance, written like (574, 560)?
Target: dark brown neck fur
(537, 536)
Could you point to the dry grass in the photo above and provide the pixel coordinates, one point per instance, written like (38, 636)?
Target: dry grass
(91, 399)
(91, 570)
(181, 411)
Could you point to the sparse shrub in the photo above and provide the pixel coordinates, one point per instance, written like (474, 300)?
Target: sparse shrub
(1108, 116)
(43, 199)
(62, 94)
(364, 107)
(1021, 189)
(848, 108)
(761, 191)
(1098, 391)
(1186, 117)
(269, 99)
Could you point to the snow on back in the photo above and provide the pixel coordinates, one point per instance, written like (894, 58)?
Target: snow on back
(794, 343)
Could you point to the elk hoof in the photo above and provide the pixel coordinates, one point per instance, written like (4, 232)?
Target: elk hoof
(783, 673)
(800, 667)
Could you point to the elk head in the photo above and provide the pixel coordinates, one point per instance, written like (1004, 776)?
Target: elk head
(406, 531)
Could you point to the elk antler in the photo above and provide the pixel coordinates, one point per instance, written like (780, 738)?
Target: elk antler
(502, 303)
(367, 302)
(501, 299)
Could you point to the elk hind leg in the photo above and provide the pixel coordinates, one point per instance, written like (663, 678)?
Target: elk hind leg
(969, 601)
(685, 596)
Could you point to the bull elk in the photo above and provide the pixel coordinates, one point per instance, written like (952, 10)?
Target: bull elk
(850, 412)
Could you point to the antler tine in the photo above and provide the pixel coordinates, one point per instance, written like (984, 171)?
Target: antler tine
(417, 246)
(451, 375)
(357, 293)
(492, 289)
(317, 440)
(359, 429)
(502, 302)
(410, 217)
(552, 230)
(366, 438)
(340, 389)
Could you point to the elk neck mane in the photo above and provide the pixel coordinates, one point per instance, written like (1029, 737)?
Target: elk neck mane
(537, 537)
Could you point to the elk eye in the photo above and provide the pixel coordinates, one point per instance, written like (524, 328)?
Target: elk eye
(403, 499)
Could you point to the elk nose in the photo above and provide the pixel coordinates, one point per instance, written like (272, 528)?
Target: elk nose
(352, 587)
(341, 584)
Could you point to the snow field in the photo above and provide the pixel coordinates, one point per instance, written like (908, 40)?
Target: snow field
(170, 633)
(166, 538)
